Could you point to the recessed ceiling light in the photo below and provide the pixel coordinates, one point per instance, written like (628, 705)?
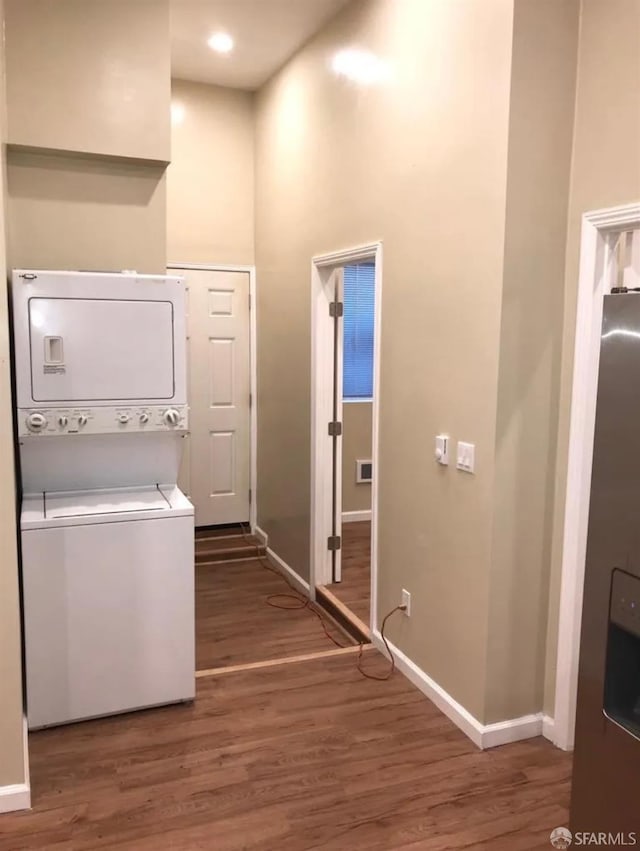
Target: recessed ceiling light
(221, 42)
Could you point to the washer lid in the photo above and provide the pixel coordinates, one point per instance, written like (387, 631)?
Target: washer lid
(70, 508)
(90, 503)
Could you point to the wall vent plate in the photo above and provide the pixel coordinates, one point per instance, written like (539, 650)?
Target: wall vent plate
(364, 471)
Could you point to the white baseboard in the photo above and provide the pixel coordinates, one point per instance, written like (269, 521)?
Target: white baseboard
(17, 796)
(301, 584)
(356, 516)
(25, 749)
(512, 730)
(482, 735)
(261, 535)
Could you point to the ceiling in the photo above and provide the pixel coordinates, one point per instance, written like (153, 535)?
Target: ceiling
(266, 34)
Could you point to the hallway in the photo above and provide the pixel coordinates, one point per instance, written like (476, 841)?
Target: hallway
(295, 757)
(246, 612)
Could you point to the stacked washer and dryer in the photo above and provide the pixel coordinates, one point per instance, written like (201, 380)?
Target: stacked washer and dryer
(107, 537)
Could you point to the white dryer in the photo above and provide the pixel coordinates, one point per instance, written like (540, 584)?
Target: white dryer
(109, 599)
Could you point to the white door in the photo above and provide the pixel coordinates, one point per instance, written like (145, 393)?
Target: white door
(216, 463)
(336, 284)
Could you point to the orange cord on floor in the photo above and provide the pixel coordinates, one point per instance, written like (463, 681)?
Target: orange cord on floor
(381, 677)
(303, 602)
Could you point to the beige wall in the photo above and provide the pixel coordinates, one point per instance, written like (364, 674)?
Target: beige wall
(12, 768)
(356, 444)
(210, 187)
(540, 136)
(421, 163)
(605, 172)
(89, 76)
(77, 213)
(88, 103)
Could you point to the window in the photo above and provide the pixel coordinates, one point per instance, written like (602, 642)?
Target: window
(359, 283)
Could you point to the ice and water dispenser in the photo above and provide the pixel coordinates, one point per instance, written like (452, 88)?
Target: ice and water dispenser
(622, 672)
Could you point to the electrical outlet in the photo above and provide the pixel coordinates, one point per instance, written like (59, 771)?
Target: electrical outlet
(406, 601)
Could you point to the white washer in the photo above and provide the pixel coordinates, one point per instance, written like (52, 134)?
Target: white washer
(109, 580)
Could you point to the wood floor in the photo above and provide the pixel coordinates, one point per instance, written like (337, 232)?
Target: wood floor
(236, 625)
(355, 589)
(303, 756)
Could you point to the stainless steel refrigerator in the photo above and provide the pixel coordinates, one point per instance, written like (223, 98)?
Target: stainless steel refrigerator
(606, 773)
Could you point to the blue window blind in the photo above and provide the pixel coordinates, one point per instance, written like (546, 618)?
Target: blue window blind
(357, 379)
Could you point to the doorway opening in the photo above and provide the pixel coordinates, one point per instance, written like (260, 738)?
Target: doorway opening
(218, 469)
(239, 593)
(345, 405)
(609, 259)
(218, 465)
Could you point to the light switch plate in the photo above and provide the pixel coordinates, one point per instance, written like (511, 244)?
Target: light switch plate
(466, 457)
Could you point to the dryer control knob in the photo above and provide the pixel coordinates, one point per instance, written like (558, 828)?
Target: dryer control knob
(63, 421)
(171, 417)
(123, 419)
(83, 420)
(36, 422)
(144, 419)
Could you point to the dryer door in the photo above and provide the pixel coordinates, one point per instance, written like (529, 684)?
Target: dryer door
(101, 350)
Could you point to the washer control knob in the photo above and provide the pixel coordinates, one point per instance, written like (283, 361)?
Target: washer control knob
(144, 419)
(171, 417)
(123, 418)
(63, 421)
(83, 420)
(36, 422)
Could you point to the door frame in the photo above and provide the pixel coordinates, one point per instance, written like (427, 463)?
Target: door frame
(322, 408)
(253, 360)
(600, 229)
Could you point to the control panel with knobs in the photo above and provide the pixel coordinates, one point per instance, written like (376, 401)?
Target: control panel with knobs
(69, 421)
(36, 422)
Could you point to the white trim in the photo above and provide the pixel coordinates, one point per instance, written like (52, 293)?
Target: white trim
(25, 752)
(253, 410)
(261, 535)
(512, 730)
(253, 358)
(549, 728)
(599, 229)
(482, 735)
(348, 255)
(17, 796)
(364, 401)
(321, 409)
(355, 516)
(301, 584)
